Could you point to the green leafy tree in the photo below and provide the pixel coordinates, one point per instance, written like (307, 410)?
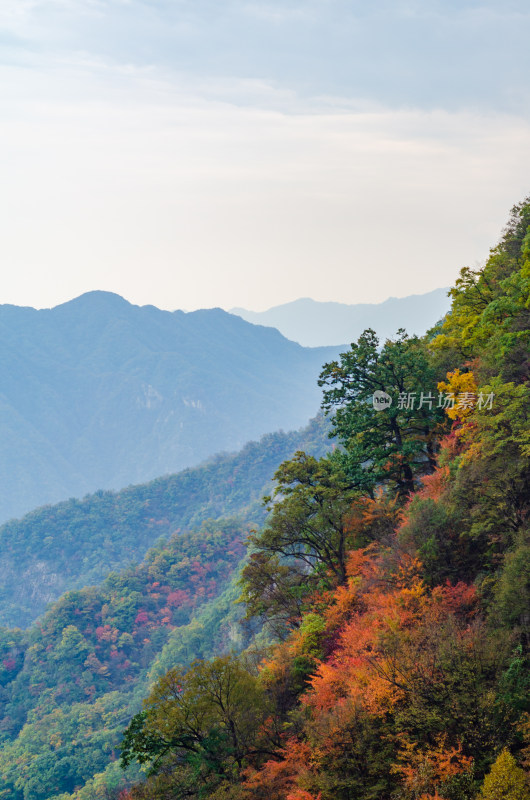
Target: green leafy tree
(200, 727)
(72, 647)
(274, 591)
(306, 524)
(490, 312)
(398, 443)
(500, 473)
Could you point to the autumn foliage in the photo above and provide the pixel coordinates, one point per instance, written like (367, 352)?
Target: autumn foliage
(396, 572)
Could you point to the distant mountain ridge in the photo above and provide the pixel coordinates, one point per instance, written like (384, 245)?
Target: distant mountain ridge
(97, 393)
(312, 323)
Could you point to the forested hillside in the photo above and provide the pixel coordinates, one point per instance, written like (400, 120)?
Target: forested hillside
(78, 542)
(366, 640)
(394, 576)
(98, 394)
(69, 683)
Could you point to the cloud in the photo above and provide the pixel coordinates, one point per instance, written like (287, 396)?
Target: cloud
(192, 154)
(127, 179)
(279, 14)
(430, 54)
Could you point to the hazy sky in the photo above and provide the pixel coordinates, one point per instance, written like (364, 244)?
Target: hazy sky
(192, 153)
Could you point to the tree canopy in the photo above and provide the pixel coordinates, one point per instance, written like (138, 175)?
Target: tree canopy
(396, 444)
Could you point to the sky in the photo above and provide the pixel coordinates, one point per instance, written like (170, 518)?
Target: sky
(199, 153)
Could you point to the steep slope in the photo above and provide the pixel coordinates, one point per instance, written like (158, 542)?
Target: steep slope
(78, 542)
(71, 681)
(98, 393)
(68, 684)
(402, 666)
(313, 323)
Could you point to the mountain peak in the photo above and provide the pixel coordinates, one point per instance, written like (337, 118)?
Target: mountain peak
(318, 323)
(96, 298)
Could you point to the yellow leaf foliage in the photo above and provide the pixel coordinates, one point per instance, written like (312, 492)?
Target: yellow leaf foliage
(462, 386)
(505, 781)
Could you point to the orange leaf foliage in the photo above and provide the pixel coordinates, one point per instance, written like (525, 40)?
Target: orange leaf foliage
(380, 646)
(422, 770)
(276, 778)
(434, 485)
(382, 629)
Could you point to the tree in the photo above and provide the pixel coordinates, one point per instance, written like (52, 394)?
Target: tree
(396, 444)
(505, 781)
(199, 726)
(273, 591)
(307, 521)
(490, 314)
